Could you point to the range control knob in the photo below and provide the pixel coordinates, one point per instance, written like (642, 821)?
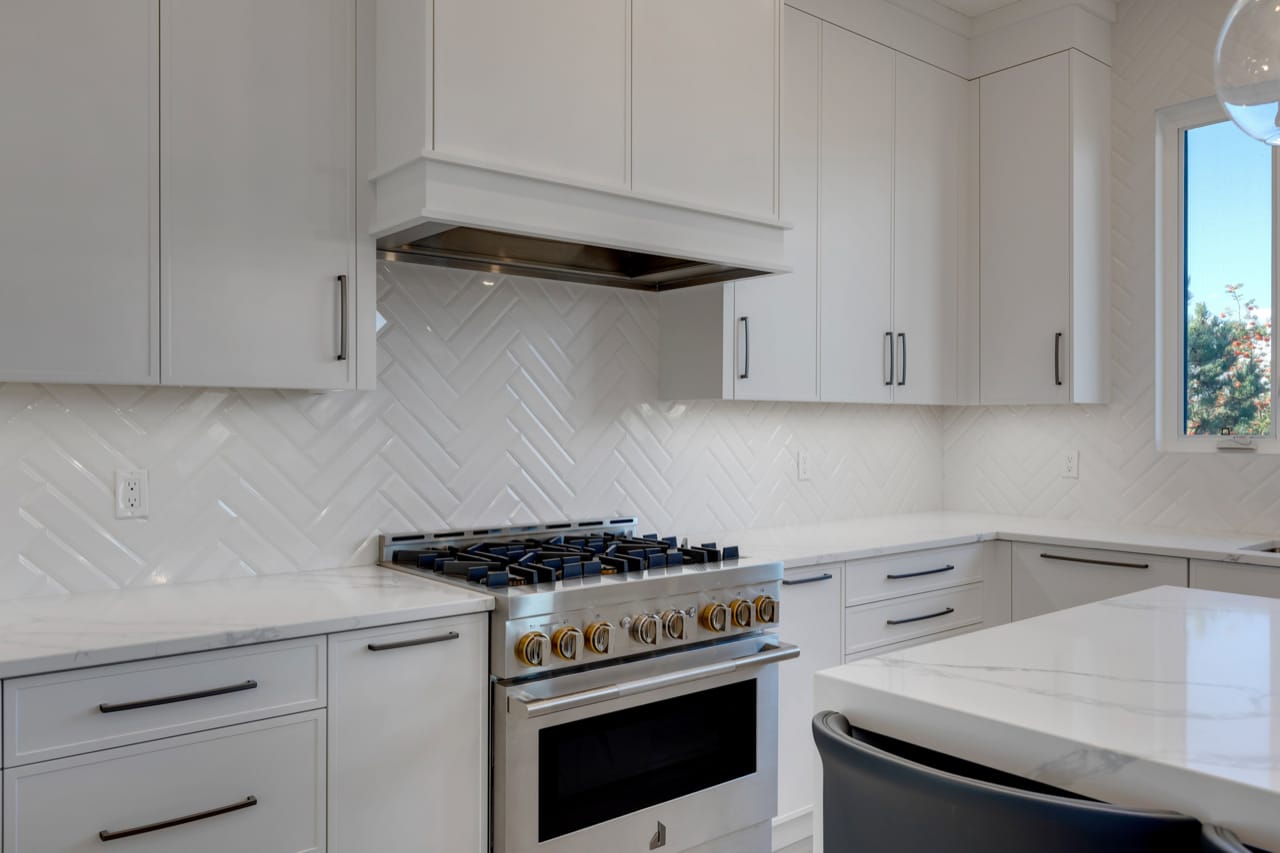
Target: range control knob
(645, 629)
(566, 643)
(714, 617)
(674, 625)
(532, 649)
(768, 610)
(599, 636)
(742, 612)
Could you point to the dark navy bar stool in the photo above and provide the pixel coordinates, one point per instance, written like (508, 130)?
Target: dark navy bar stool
(882, 795)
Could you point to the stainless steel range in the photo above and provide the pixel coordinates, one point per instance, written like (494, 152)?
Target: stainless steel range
(634, 685)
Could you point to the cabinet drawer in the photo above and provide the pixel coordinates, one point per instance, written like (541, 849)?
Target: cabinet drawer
(918, 641)
(1048, 578)
(920, 571)
(912, 616)
(254, 787)
(67, 713)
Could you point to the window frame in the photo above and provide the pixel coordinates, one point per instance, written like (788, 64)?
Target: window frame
(1172, 125)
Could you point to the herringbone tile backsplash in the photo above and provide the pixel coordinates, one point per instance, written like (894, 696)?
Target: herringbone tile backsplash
(1006, 460)
(528, 401)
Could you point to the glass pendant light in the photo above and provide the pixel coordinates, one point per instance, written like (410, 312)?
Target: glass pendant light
(1247, 68)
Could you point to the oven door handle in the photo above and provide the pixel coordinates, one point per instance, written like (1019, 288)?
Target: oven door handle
(527, 707)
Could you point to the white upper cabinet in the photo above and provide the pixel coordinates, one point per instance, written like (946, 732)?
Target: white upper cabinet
(931, 116)
(855, 295)
(78, 191)
(756, 339)
(705, 103)
(536, 87)
(258, 193)
(1045, 149)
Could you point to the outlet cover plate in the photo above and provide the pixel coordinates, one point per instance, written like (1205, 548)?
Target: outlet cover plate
(1071, 465)
(133, 496)
(802, 466)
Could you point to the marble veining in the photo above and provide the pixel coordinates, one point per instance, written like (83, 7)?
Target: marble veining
(1164, 698)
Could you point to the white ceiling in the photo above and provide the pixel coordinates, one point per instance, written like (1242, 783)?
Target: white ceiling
(974, 8)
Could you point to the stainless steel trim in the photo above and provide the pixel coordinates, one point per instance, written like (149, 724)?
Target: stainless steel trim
(746, 348)
(1116, 563)
(343, 317)
(527, 707)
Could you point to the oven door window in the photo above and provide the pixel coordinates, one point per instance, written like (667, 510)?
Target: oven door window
(607, 766)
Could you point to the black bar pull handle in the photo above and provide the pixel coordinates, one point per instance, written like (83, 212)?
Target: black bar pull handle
(746, 348)
(902, 341)
(107, 708)
(1116, 563)
(344, 305)
(802, 581)
(1057, 358)
(888, 345)
(906, 575)
(947, 612)
(115, 835)
(421, 641)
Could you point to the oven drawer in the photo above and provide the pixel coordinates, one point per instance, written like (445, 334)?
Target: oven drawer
(67, 713)
(879, 578)
(254, 787)
(899, 619)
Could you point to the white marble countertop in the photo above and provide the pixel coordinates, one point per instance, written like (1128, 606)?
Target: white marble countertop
(1165, 698)
(830, 542)
(65, 632)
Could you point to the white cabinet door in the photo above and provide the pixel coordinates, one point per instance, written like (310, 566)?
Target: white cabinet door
(1235, 577)
(926, 232)
(1026, 233)
(408, 738)
(258, 192)
(777, 316)
(705, 103)
(812, 618)
(254, 787)
(1048, 578)
(79, 181)
(855, 301)
(534, 87)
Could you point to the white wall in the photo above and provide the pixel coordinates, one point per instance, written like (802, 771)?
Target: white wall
(1006, 460)
(529, 401)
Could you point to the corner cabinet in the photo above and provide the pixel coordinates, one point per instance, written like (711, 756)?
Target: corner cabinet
(755, 339)
(1045, 253)
(209, 235)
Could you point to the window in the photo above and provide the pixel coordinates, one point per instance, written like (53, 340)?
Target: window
(1217, 206)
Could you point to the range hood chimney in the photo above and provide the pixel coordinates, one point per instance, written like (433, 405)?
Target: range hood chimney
(439, 211)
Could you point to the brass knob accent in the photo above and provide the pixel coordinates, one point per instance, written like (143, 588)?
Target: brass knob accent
(742, 612)
(599, 637)
(673, 624)
(714, 617)
(768, 609)
(532, 649)
(566, 642)
(645, 630)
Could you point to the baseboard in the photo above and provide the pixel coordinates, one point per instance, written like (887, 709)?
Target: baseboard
(792, 829)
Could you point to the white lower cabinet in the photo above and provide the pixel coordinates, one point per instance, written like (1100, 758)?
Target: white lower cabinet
(1048, 578)
(408, 738)
(1235, 577)
(256, 787)
(811, 614)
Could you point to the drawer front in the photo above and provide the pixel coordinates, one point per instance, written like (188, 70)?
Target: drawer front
(884, 622)
(68, 713)
(918, 641)
(1236, 577)
(879, 578)
(254, 787)
(1048, 578)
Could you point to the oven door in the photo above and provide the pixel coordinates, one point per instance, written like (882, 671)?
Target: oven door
(664, 753)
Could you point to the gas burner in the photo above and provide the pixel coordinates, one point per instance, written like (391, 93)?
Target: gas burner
(515, 558)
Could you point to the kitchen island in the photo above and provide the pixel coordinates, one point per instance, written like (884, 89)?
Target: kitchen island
(1166, 698)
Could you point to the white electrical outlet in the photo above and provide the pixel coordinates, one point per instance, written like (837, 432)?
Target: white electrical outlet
(133, 499)
(1071, 465)
(802, 466)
